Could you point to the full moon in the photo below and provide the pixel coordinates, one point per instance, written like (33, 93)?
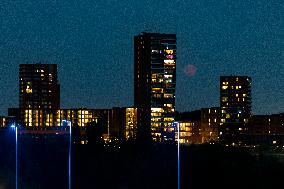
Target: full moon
(190, 70)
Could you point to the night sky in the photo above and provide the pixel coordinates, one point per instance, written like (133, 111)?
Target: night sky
(92, 42)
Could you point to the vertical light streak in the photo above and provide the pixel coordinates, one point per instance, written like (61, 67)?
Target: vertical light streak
(178, 155)
(16, 156)
(70, 154)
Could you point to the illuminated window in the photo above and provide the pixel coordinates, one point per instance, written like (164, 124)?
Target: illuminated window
(170, 56)
(223, 120)
(168, 80)
(228, 115)
(225, 83)
(237, 95)
(155, 51)
(168, 76)
(224, 87)
(157, 110)
(237, 87)
(157, 90)
(169, 61)
(156, 114)
(29, 90)
(168, 51)
(168, 95)
(240, 87)
(224, 99)
(168, 105)
(169, 119)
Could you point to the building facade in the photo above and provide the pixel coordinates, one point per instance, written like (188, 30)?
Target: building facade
(154, 83)
(38, 86)
(210, 123)
(117, 123)
(39, 91)
(235, 104)
(56, 118)
(267, 129)
(3, 121)
(130, 122)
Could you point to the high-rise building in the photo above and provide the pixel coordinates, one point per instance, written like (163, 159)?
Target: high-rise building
(235, 104)
(154, 83)
(39, 91)
(39, 87)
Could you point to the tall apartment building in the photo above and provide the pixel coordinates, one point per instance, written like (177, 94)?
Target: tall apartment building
(39, 87)
(39, 91)
(235, 104)
(154, 83)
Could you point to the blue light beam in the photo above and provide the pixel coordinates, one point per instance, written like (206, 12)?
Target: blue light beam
(70, 152)
(178, 155)
(16, 153)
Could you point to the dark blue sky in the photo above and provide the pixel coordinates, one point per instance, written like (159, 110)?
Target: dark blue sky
(92, 42)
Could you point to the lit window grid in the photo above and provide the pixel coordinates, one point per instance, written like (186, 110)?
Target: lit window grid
(131, 122)
(41, 118)
(186, 132)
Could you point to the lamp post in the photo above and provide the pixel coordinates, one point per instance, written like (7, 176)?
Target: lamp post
(16, 153)
(70, 151)
(178, 128)
(177, 124)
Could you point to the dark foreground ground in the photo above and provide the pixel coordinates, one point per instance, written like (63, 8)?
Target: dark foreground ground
(43, 164)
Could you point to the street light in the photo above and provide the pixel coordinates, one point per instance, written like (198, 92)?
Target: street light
(178, 159)
(13, 126)
(70, 150)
